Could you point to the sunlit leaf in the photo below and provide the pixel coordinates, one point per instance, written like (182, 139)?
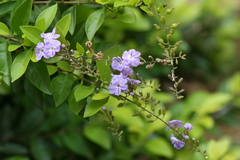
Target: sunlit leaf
(32, 33)
(20, 64)
(4, 29)
(94, 106)
(5, 62)
(64, 24)
(82, 92)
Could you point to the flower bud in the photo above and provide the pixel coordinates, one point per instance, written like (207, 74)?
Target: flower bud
(175, 25)
(169, 11)
(161, 45)
(160, 40)
(163, 19)
(157, 26)
(150, 14)
(178, 43)
(169, 36)
(171, 31)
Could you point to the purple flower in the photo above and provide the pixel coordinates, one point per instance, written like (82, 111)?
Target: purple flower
(131, 57)
(176, 142)
(52, 47)
(117, 63)
(188, 126)
(186, 137)
(40, 50)
(174, 124)
(127, 71)
(133, 81)
(118, 84)
(51, 35)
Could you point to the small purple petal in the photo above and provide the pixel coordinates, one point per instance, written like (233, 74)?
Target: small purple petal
(174, 124)
(188, 127)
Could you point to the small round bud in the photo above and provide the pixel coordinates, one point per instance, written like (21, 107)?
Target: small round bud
(178, 43)
(171, 31)
(157, 26)
(163, 19)
(169, 11)
(160, 40)
(150, 14)
(161, 45)
(175, 25)
(169, 36)
(88, 44)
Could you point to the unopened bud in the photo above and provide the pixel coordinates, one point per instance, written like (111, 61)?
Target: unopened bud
(171, 31)
(163, 19)
(157, 26)
(169, 11)
(150, 14)
(160, 40)
(161, 45)
(178, 43)
(169, 36)
(175, 25)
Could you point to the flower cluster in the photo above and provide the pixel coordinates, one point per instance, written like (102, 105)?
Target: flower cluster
(175, 124)
(49, 47)
(124, 65)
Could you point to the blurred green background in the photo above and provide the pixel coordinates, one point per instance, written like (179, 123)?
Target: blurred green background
(211, 34)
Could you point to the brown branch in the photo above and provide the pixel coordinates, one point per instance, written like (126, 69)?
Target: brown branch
(11, 38)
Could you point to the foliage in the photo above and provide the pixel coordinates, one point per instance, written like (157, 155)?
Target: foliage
(56, 104)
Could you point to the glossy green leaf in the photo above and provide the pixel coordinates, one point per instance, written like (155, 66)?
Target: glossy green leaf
(61, 87)
(100, 96)
(48, 15)
(82, 92)
(54, 59)
(72, 11)
(38, 75)
(112, 52)
(75, 106)
(52, 69)
(124, 3)
(39, 150)
(104, 70)
(103, 2)
(17, 158)
(13, 47)
(80, 49)
(13, 148)
(64, 65)
(98, 135)
(32, 33)
(5, 62)
(93, 23)
(6, 8)
(128, 16)
(94, 106)
(159, 146)
(62, 36)
(20, 15)
(41, 23)
(64, 24)
(20, 64)
(4, 29)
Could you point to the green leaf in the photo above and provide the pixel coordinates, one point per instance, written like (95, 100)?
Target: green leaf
(64, 24)
(32, 33)
(72, 11)
(82, 91)
(4, 29)
(159, 146)
(64, 65)
(5, 62)
(6, 8)
(100, 96)
(128, 16)
(38, 75)
(98, 135)
(54, 59)
(20, 15)
(105, 71)
(48, 15)
(17, 158)
(20, 64)
(40, 150)
(75, 106)
(62, 37)
(93, 23)
(75, 143)
(41, 23)
(103, 2)
(124, 3)
(216, 149)
(94, 106)
(112, 52)
(52, 69)
(61, 87)
(80, 49)
(13, 47)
